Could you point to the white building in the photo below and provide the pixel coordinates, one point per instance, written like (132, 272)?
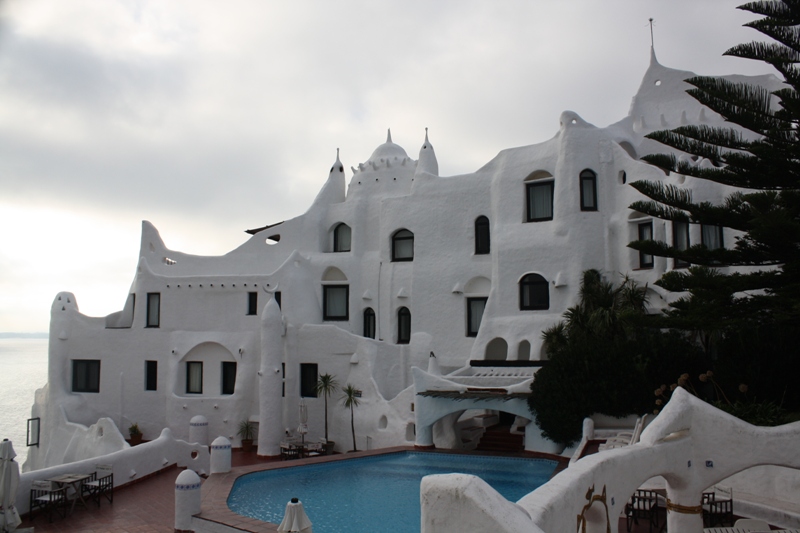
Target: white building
(380, 271)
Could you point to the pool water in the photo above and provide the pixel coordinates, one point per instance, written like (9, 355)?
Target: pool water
(379, 493)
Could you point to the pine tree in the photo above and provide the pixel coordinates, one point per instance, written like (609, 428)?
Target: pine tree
(761, 159)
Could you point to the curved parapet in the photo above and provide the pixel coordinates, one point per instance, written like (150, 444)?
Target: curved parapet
(460, 502)
(691, 444)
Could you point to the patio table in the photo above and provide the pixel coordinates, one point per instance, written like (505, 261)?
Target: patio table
(73, 481)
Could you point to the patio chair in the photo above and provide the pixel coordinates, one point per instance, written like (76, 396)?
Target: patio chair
(751, 524)
(716, 512)
(643, 504)
(48, 499)
(625, 438)
(100, 484)
(289, 452)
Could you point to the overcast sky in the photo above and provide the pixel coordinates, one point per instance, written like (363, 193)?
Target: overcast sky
(210, 117)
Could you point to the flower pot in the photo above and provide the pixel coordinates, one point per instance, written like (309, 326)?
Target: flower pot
(329, 447)
(247, 445)
(135, 439)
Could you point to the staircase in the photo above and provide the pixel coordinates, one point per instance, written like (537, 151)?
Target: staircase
(499, 439)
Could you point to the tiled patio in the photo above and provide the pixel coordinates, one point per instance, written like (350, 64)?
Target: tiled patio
(148, 506)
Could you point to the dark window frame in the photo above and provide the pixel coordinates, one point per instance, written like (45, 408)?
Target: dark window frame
(153, 319)
(643, 257)
(370, 323)
(338, 246)
(529, 187)
(228, 377)
(326, 296)
(309, 374)
(400, 236)
(151, 375)
(189, 365)
(720, 236)
(86, 375)
(403, 325)
(527, 286)
(470, 300)
(482, 236)
(676, 224)
(588, 176)
(252, 303)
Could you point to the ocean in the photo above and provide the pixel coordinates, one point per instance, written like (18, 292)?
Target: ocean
(23, 369)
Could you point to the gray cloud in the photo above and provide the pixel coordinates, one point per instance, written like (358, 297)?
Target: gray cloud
(209, 119)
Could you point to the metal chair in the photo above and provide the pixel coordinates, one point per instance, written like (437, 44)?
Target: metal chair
(100, 485)
(716, 512)
(48, 499)
(643, 504)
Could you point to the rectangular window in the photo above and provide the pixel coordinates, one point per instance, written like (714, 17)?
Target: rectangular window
(308, 380)
(153, 309)
(85, 375)
(228, 377)
(711, 236)
(336, 302)
(645, 234)
(252, 303)
(194, 377)
(680, 240)
(588, 191)
(540, 201)
(151, 375)
(475, 307)
(283, 380)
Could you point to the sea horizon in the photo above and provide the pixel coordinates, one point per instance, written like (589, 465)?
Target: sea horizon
(23, 335)
(23, 370)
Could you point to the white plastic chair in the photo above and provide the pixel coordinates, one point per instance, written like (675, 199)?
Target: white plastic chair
(751, 524)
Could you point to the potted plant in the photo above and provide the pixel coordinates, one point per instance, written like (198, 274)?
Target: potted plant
(247, 431)
(135, 434)
(351, 400)
(326, 385)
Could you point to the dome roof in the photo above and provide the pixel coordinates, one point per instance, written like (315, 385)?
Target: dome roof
(388, 150)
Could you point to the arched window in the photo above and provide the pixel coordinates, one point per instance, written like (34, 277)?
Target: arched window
(475, 308)
(369, 323)
(534, 293)
(403, 246)
(481, 235)
(335, 295)
(588, 190)
(403, 326)
(539, 196)
(341, 238)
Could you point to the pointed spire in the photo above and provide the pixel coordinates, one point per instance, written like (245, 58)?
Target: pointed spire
(389, 135)
(427, 158)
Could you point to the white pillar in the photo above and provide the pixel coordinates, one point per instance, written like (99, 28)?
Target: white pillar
(220, 455)
(270, 402)
(684, 510)
(187, 500)
(198, 430)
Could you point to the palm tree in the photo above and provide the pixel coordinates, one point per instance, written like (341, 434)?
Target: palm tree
(603, 312)
(350, 399)
(326, 385)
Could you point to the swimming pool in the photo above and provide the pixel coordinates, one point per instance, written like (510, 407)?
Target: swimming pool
(378, 493)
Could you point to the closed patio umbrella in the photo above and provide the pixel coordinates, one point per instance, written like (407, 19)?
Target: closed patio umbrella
(9, 481)
(295, 518)
(303, 427)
